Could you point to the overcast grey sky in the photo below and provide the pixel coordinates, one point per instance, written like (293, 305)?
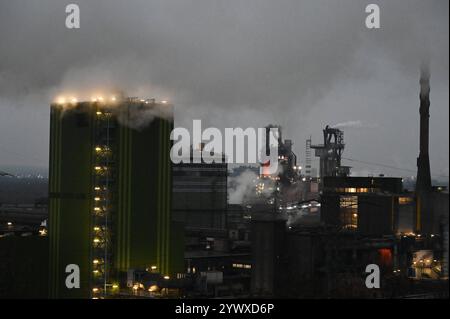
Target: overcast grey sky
(301, 64)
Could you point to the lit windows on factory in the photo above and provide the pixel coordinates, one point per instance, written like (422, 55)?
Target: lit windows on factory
(193, 270)
(404, 200)
(260, 188)
(242, 266)
(153, 288)
(349, 211)
(98, 243)
(102, 151)
(137, 286)
(101, 174)
(354, 190)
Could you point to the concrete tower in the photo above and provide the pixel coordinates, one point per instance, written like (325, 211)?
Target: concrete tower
(110, 187)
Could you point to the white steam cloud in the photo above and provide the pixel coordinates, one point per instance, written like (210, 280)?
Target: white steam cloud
(355, 124)
(242, 187)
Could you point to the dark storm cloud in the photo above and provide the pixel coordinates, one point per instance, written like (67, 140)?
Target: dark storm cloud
(230, 63)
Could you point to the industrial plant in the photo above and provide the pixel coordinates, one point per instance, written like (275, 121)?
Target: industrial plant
(138, 226)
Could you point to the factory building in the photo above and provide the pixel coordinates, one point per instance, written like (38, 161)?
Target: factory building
(288, 170)
(238, 223)
(367, 204)
(216, 257)
(330, 153)
(268, 232)
(110, 184)
(314, 261)
(318, 261)
(200, 192)
(284, 185)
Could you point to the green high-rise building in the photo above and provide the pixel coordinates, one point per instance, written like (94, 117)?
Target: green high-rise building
(110, 188)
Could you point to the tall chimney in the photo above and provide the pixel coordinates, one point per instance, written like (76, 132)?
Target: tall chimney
(423, 183)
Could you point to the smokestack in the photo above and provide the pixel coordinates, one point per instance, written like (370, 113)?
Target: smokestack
(423, 182)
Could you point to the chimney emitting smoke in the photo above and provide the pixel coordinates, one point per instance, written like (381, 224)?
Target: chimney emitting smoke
(423, 182)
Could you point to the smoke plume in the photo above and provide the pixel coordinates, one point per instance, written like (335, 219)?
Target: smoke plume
(354, 124)
(241, 187)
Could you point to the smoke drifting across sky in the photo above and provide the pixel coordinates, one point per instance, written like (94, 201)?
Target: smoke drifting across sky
(300, 64)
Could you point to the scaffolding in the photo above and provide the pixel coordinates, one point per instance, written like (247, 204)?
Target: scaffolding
(102, 179)
(308, 158)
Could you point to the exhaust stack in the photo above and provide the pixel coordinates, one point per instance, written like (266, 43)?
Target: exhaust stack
(423, 183)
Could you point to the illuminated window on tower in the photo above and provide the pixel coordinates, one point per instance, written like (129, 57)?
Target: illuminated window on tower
(349, 211)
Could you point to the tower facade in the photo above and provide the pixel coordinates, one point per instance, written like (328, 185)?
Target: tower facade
(110, 187)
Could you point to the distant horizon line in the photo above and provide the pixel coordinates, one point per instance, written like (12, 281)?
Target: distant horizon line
(30, 169)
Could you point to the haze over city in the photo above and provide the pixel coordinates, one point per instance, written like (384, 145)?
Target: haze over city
(299, 64)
